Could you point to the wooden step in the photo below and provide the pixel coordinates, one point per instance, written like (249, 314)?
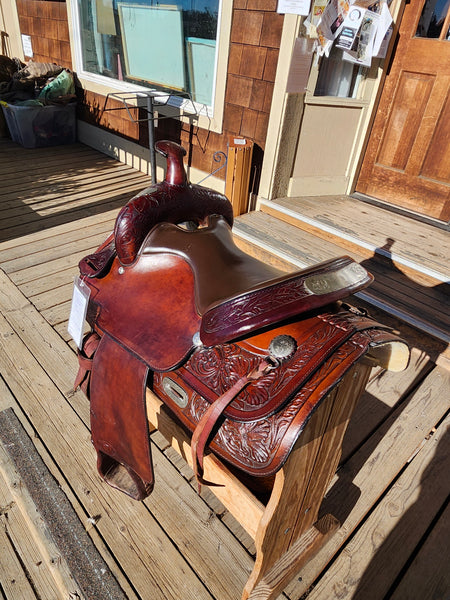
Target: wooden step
(418, 301)
(418, 248)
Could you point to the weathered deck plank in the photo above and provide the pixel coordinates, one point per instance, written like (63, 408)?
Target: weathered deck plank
(383, 393)
(366, 476)
(428, 576)
(28, 533)
(358, 222)
(13, 580)
(60, 185)
(8, 400)
(377, 554)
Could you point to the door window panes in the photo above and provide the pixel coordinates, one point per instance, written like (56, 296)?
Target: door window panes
(164, 46)
(432, 19)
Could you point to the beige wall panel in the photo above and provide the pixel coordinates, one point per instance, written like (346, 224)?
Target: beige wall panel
(326, 141)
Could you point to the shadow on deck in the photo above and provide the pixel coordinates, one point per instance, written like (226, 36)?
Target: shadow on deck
(46, 187)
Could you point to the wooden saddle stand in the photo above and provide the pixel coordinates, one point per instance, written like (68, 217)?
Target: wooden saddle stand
(252, 373)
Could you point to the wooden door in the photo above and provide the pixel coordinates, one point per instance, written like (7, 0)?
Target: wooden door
(407, 162)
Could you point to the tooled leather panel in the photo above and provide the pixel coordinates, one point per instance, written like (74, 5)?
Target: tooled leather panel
(164, 202)
(174, 200)
(261, 447)
(98, 263)
(280, 300)
(212, 371)
(133, 223)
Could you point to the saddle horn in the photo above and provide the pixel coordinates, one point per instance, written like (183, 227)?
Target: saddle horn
(174, 153)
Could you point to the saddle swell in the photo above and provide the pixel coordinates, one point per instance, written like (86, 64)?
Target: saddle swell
(174, 200)
(240, 352)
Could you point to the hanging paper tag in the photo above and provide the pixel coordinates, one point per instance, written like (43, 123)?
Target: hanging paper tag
(78, 310)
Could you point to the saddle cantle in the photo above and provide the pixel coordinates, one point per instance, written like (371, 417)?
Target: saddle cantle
(240, 352)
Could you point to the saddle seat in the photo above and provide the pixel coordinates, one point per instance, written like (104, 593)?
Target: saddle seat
(235, 294)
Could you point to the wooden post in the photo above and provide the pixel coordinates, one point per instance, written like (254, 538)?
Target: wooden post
(289, 525)
(239, 162)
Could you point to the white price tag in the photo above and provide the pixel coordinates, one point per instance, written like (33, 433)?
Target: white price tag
(78, 310)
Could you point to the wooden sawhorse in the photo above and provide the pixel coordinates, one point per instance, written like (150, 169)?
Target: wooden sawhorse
(286, 531)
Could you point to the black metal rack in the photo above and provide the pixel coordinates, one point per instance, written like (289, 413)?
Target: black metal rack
(152, 99)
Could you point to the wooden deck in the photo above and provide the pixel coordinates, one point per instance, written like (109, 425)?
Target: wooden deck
(390, 493)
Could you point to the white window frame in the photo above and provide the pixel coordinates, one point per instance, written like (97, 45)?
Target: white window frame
(206, 117)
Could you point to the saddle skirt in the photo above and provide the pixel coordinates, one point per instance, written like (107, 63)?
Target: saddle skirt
(240, 352)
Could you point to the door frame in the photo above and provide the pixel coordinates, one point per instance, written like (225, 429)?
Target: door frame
(287, 110)
(9, 23)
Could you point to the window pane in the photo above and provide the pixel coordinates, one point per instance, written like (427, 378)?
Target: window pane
(167, 46)
(338, 77)
(432, 18)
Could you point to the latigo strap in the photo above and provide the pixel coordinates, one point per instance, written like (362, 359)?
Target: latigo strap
(209, 420)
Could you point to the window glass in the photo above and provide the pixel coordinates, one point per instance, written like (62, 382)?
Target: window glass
(163, 46)
(338, 77)
(432, 18)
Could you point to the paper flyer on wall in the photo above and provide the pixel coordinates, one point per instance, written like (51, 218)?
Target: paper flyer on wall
(363, 33)
(384, 32)
(331, 23)
(351, 28)
(360, 28)
(295, 7)
(361, 51)
(385, 43)
(313, 19)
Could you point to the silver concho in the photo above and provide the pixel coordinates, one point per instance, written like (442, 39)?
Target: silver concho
(351, 274)
(282, 347)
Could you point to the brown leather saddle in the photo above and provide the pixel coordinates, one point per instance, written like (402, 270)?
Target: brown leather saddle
(240, 352)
